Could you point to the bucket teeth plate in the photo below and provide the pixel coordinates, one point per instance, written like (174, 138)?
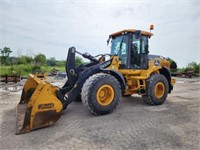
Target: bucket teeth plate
(21, 111)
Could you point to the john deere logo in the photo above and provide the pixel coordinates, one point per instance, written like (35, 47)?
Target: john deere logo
(105, 65)
(156, 62)
(45, 106)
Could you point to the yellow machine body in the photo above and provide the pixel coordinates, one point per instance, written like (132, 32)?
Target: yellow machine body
(42, 104)
(136, 79)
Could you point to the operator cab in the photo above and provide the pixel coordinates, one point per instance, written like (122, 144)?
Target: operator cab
(132, 48)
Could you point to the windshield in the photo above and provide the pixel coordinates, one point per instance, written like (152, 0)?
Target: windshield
(116, 42)
(120, 42)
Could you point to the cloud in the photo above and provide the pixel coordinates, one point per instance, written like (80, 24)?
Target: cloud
(51, 27)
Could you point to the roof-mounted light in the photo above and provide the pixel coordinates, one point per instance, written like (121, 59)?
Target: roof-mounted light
(151, 27)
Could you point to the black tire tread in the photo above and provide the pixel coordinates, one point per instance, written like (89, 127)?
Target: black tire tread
(153, 78)
(88, 85)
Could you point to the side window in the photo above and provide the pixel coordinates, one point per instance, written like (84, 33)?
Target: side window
(139, 51)
(123, 54)
(136, 46)
(144, 45)
(135, 52)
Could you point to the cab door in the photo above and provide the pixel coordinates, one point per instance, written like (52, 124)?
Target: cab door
(139, 52)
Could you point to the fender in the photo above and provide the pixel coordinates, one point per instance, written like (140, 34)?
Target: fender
(118, 76)
(73, 93)
(89, 72)
(166, 72)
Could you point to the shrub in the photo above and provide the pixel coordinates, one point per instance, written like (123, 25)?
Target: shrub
(35, 68)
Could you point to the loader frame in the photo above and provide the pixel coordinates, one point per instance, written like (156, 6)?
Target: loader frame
(99, 83)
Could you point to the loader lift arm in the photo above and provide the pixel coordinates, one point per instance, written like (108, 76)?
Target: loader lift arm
(73, 73)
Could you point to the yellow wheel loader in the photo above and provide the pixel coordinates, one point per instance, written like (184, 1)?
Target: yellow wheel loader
(126, 70)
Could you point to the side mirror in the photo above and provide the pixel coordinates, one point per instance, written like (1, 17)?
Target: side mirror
(108, 40)
(138, 34)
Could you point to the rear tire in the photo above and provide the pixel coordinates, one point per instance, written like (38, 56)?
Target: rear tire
(157, 90)
(101, 93)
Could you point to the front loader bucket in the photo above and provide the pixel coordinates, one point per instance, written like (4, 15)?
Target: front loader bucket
(38, 107)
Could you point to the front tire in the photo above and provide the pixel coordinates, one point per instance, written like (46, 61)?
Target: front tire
(101, 93)
(157, 90)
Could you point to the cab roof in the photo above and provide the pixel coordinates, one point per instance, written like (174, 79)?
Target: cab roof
(130, 31)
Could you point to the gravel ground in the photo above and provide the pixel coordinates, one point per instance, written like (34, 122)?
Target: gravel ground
(133, 125)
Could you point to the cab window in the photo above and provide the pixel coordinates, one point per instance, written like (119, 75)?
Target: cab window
(139, 48)
(119, 47)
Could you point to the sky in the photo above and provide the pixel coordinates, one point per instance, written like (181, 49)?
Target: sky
(50, 27)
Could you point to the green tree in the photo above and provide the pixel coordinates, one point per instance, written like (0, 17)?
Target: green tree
(78, 61)
(5, 53)
(40, 59)
(51, 62)
(194, 66)
(2, 60)
(24, 60)
(60, 63)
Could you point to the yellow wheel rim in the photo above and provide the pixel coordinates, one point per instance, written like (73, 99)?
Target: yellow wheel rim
(159, 89)
(105, 95)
